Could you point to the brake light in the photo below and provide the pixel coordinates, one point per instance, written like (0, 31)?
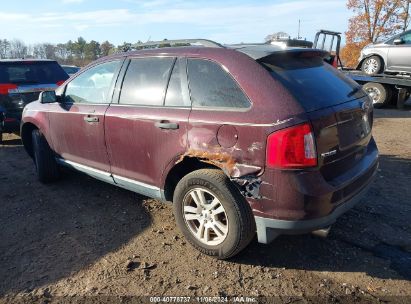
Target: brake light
(9, 119)
(292, 147)
(59, 83)
(6, 87)
(335, 62)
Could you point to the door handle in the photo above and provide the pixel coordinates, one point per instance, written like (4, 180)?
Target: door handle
(89, 118)
(166, 125)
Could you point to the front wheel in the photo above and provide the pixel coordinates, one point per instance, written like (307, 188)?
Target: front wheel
(44, 159)
(372, 65)
(213, 216)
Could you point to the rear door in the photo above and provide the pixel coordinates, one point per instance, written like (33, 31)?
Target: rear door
(77, 123)
(399, 56)
(147, 129)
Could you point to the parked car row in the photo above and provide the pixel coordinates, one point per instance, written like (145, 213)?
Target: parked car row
(21, 82)
(244, 139)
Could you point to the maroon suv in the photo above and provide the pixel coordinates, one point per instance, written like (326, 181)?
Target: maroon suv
(242, 139)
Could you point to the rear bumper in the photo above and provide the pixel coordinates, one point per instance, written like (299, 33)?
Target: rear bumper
(11, 126)
(11, 123)
(268, 229)
(301, 202)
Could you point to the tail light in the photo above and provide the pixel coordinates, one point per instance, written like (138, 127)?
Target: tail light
(59, 83)
(6, 87)
(292, 147)
(335, 62)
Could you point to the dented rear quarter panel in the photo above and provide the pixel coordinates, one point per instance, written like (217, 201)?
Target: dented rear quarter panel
(235, 139)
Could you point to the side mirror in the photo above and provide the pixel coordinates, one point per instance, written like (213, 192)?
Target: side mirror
(398, 41)
(48, 97)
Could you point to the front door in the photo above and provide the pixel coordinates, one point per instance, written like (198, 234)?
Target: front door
(399, 56)
(77, 122)
(147, 129)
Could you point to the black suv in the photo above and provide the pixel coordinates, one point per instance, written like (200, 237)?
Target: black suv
(21, 81)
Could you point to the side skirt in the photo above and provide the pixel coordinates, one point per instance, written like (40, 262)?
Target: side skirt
(126, 183)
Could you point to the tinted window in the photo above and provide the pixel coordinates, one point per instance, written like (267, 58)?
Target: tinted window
(314, 83)
(211, 86)
(71, 70)
(177, 91)
(31, 72)
(407, 38)
(93, 85)
(146, 81)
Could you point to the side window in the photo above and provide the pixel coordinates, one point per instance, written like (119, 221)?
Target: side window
(407, 38)
(146, 80)
(94, 85)
(177, 90)
(211, 86)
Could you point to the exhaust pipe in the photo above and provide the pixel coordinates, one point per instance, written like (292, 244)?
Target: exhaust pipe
(322, 232)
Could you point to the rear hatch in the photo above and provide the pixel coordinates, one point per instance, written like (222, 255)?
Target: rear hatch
(21, 82)
(340, 112)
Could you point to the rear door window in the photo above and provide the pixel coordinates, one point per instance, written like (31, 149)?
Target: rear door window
(211, 86)
(314, 83)
(32, 72)
(146, 81)
(177, 90)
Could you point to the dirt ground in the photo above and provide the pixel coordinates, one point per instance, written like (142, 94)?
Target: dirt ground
(81, 240)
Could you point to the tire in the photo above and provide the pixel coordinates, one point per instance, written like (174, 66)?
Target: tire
(380, 94)
(44, 160)
(236, 222)
(372, 65)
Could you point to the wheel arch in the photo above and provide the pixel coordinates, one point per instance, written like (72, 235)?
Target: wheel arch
(26, 129)
(384, 64)
(180, 169)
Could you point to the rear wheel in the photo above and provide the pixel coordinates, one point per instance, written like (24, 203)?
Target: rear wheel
(212, 214)
(372, 65)
(44, 160)
(380, 94)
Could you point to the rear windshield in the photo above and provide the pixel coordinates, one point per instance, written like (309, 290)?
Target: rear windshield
(314, 83)
(31, 72)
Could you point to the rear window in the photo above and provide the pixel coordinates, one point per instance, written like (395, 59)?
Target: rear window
(314, 83)
(44, 72)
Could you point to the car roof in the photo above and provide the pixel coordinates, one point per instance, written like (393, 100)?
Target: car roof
(254, 51)
(26, 60)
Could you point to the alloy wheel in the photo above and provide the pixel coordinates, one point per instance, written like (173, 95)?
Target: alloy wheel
(205, 216)
(371, 66)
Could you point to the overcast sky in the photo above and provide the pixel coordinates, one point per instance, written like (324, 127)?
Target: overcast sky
(131, 20)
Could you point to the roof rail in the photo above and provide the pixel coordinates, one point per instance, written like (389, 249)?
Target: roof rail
(175, 43)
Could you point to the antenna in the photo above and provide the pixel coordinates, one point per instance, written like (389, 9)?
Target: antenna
(299, 28)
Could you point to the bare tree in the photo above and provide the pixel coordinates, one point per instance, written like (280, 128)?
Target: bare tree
(4, 48)
(18, 49)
